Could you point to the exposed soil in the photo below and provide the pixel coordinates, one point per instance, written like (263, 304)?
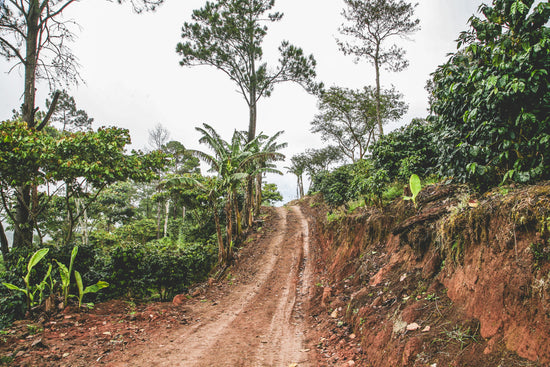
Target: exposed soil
(254, 316)
(460, 280)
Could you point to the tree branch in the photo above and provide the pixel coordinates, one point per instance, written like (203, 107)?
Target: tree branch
(50, 111)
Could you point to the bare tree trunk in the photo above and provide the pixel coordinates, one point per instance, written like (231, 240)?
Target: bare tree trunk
(378, 104)
(4, 245)
(159, 211)
(22, 234)
(258, 194)
(238, 217)
(229, 229)
(249, 201)
(221, 247)
(167, 212)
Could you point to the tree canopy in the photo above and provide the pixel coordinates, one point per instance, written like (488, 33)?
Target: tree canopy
(370, 24)
(228, 35)
(348, 117)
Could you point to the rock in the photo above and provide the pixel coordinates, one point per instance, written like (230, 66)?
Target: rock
(413, 326)
(334, 314)
(351, 363)
(352, 336)
(179, 299)
(399, 326)
(426, 329)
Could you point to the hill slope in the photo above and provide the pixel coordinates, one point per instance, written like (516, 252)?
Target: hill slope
(460, 281)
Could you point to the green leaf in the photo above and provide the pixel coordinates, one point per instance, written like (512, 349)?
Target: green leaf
(96, 287)
(415, 184)
(14, 287)
(36, 257)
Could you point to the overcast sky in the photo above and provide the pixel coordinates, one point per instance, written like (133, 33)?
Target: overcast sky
(132, 77)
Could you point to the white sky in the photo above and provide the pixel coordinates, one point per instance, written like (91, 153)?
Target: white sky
(133, 78)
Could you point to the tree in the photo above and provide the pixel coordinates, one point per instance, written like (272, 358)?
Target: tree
(314, 161)
(228, 35)
(491, 106)
(65, 165)
(67, 115)
(233, 162)
(33, 33)
(297, 167)
(270, 194)
(182, 161)
(158, 137)
(371, 23)
(348, 117)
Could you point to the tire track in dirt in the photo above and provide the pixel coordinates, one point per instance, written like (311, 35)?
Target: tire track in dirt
(260, 322)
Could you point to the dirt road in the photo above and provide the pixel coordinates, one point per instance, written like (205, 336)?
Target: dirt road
(258, 321)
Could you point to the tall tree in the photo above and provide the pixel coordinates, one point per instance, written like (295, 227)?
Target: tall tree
(228, 34)
(66, 115)
(348, 117)
(371, 23)
(34, 34)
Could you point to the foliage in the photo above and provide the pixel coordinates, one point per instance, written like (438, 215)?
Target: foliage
(30, 290)
(72, 163)
(415, 186)
(348, 117)
(271, 194)
(408, 150)
(491, 105)
(228, 35)
(371, 23)
(352, 182)
(89, 289)
(163, 267)
(315, 161)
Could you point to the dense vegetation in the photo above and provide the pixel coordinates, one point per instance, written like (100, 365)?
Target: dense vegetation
(94, 221)
(489, 122)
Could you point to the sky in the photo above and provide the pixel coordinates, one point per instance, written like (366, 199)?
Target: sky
(132, 77)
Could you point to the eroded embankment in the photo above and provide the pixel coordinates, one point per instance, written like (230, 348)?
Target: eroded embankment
(461, 280)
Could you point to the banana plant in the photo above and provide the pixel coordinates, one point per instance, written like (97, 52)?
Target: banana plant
(65, 275)
(89, 289)
(30, 291)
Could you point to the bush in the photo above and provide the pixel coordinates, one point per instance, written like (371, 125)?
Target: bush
(406, 151)
(491, 100)
(161, 267)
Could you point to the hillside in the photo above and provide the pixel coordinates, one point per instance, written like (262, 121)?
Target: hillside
(460, 281)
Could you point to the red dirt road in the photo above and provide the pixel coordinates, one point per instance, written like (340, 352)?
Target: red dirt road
(258, 321)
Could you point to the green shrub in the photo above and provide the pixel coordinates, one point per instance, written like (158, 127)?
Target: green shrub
(405, 151)
(491, 100)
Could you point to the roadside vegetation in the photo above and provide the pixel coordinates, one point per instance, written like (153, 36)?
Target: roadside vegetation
(92, 221)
